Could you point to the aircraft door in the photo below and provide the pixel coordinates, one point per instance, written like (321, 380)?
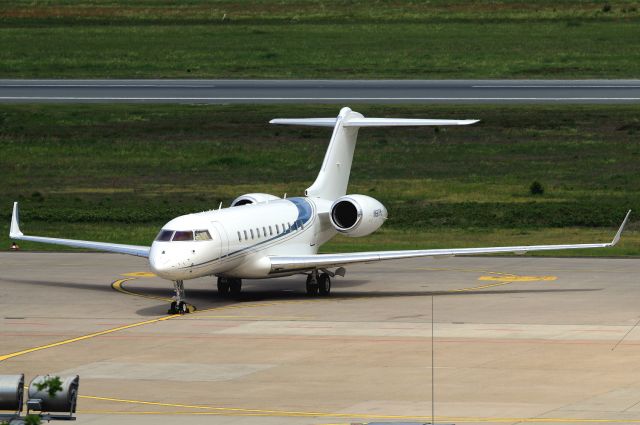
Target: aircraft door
(221, 235)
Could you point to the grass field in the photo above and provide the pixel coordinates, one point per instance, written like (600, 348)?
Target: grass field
(118, 172)
(320, 39)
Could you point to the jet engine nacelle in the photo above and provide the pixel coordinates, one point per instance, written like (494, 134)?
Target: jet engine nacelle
(357, 215)
(253, 198)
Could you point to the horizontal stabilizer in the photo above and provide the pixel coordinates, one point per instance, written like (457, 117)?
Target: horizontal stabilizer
(370, 122)
(313, 122)
(403, 122)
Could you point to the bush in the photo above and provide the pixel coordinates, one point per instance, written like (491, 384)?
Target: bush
(536, 188)
(37, 196)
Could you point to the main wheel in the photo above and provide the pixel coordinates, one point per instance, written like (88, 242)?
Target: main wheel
(312, 285)
(235, 285)
(324, 284)
(223, 286)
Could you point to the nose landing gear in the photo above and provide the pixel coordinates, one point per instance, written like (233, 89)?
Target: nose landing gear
(179, 306)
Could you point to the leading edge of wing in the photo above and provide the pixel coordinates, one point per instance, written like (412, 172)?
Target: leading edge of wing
(16, 234)
(308, 262)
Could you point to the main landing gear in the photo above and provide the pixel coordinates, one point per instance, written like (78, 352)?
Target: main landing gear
(318, 283)
(178, 306)
(227, 285)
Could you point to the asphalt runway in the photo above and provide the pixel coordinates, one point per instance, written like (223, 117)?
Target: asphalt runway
(320, 91)
(541, 340)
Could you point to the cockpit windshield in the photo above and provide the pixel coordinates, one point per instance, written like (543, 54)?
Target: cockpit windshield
(164, 235)
(183, 235)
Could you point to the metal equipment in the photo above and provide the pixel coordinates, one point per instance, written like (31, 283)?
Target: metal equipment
(63, 401)
(11, 392)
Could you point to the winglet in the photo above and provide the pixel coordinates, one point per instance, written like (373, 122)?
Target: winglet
(14, 231)
(616, 238)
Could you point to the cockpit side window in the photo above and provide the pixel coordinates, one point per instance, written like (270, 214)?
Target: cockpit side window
(202, 235)
(164, 235)
(183, 236)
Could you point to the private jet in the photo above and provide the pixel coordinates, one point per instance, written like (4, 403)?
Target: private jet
(263, 236)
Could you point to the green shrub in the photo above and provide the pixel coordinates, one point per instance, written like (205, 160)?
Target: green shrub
(536, 188)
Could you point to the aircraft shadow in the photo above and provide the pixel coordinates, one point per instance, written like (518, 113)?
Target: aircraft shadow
(209, 299)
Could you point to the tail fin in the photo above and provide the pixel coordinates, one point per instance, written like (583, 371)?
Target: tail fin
(333, 178)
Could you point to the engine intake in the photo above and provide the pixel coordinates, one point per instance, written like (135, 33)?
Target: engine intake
(357, 215)
(345, 214)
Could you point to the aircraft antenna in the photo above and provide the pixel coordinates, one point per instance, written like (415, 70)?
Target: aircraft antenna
(220, 206)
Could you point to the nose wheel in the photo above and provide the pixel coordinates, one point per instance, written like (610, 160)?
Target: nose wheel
(178, 308)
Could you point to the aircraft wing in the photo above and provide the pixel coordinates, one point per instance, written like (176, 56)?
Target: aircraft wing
(309, 262)
(16, 234)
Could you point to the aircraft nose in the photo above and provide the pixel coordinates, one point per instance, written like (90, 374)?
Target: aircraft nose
(159, 260)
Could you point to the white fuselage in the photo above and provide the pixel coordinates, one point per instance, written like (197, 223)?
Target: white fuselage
(242, 238)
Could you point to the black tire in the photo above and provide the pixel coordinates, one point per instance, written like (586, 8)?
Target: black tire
(235, 285)
(324, 284)
(312, 286)
(223, 286)
(173, 309)
(183, 308)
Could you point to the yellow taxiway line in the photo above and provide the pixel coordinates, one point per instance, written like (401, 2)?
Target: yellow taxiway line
(117, 285)
(476, 288)
(82, 338)
(498, 277)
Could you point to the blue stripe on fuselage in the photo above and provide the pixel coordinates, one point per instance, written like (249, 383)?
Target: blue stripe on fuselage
(304, 209)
